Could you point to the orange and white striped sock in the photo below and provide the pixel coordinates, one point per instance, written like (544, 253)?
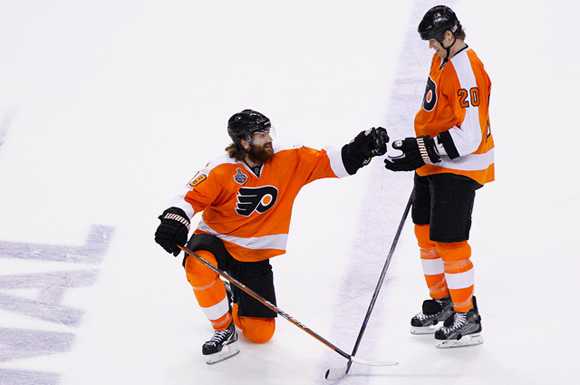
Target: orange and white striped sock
(209, 290)
(431, 263)
(459, 273)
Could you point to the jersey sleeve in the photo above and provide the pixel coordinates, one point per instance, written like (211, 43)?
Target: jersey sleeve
(313, 164)
(334, 154)
(464, 95)
(201, 191)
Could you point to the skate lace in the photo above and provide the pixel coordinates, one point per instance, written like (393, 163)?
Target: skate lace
(459, 320)
(219, 336)
(421, 316)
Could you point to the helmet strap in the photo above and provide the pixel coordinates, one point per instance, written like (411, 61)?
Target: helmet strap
(448, 49)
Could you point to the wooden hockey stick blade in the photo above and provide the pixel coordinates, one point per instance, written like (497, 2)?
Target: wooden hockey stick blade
(334, 374)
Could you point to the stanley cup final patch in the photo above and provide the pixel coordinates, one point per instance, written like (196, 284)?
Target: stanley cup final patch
(240, 177)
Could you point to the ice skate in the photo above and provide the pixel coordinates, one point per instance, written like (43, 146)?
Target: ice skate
(434, 311)
(460, 329)
(223, 345)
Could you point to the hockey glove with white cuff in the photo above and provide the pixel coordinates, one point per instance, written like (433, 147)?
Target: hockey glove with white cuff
(173, 230)
(417, 152)
(363, 147)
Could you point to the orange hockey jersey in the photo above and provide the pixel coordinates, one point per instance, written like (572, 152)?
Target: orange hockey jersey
(456, 107)
(251, 214)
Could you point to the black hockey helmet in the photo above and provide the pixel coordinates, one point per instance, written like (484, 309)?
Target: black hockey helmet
(436, 21)
(244, 124)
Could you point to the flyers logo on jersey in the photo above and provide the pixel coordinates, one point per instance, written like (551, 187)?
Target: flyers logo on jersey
(430, 97)
(259, 199)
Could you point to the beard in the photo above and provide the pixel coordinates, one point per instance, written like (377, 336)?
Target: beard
(262, 153)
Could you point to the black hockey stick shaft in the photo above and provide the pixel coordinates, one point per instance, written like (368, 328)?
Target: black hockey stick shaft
(381, 279)
(273, 307)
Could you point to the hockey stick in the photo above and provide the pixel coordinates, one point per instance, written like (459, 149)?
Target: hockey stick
(285, 315)
(337, 373)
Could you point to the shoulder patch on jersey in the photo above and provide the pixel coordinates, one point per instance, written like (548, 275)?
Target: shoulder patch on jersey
(196, 180)
(240, 177)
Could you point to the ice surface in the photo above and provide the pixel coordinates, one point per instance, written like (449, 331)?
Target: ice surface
(107, 108)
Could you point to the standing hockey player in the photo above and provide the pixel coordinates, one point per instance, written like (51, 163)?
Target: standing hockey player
(453, 157)
(246, 199)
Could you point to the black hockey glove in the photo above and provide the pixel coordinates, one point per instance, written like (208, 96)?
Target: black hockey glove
(363, 147)
(173, 230)
(416, 153)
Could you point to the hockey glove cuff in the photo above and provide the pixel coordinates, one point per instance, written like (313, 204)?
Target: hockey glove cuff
(172, 230)
(417, 152)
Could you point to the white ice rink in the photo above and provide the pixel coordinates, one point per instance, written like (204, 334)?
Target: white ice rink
(108, 107)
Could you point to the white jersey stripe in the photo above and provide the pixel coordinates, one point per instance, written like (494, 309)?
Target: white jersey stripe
(335, 156)
(470, 162)
(466, 138)
(179, 201)
(277, 241)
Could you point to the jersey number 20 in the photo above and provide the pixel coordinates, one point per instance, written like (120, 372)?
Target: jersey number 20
(467, 97)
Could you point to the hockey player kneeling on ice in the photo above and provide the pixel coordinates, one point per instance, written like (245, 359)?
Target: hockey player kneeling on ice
(245, 198)
(453, 157)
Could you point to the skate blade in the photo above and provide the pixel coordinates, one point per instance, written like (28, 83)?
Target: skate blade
(417, 330)
(468, 340)
(227, 351)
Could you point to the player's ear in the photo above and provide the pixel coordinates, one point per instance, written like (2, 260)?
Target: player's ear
(448, 35)
(245, 144)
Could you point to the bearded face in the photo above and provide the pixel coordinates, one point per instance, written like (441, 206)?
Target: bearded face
(262, 152)
(261, 149)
